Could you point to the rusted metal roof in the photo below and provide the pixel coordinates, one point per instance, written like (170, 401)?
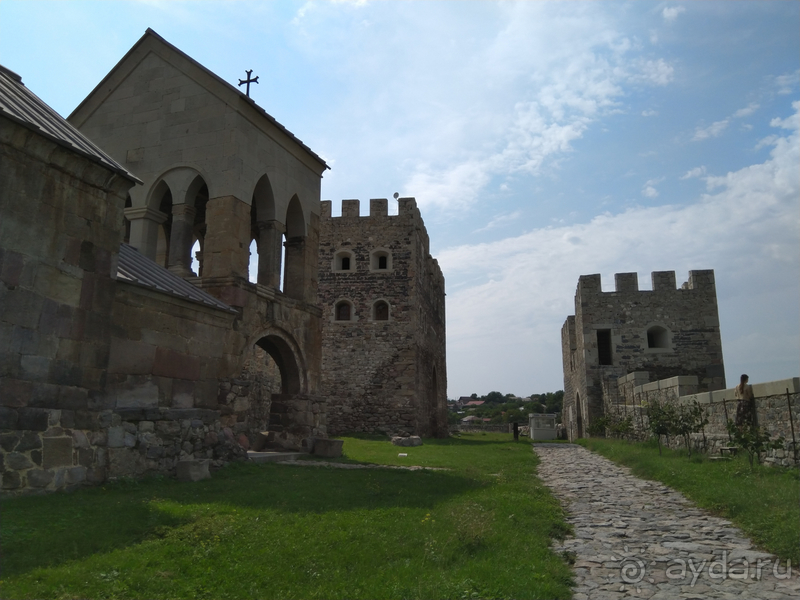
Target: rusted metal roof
(133, 267)
(21, 105)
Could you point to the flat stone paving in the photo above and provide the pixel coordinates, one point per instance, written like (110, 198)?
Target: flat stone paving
(641, 539)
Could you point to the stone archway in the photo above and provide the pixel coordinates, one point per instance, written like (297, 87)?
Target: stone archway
(579, 415)
(294, 416)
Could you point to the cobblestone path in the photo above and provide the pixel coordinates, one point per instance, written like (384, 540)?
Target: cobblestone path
(641, 539)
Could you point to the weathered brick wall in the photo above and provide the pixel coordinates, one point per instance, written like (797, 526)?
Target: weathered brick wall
(688, 314)
(382, 375)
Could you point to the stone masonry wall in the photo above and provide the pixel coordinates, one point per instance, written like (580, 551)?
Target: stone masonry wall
(382, 375)
(777, 410)
(690, 345)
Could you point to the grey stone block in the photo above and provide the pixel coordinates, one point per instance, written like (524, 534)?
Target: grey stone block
(410, 441)
(193, 470)
(33, 419)
(57, 452)
(116, 437)
(39, 479)
(328, 448)
(17, 461)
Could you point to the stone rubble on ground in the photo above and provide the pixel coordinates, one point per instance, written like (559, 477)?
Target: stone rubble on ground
(641, 539)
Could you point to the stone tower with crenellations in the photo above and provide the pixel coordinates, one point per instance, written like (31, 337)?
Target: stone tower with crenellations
(658, 333)
(383, 321)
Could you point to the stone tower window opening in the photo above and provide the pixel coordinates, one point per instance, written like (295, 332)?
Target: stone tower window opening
(604, 351)
(657, 337)
(380, 260)
(343, 311)
(380, 311)
(344, 260)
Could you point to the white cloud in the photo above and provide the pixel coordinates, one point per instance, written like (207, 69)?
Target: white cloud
(656, 72)
(649, 190)
(747, 231)
(500, 220)
(670, 13)
(747, 111)
(696, 172)
(713, 130)
(649, 113)
(787, 83)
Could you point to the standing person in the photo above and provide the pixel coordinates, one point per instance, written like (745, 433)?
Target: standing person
(746, 409)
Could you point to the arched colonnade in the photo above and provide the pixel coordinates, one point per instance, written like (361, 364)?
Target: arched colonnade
(181, 208)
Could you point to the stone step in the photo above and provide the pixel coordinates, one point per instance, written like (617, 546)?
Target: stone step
(263, 457)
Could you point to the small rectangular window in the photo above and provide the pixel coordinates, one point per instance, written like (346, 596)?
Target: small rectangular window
(382, 262)
(604, 353)
(345, 263)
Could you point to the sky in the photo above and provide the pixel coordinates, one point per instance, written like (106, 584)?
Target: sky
(542, 141)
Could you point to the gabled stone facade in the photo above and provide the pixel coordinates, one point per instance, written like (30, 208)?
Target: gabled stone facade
(383, 322)
(660, 333)
(108, 371)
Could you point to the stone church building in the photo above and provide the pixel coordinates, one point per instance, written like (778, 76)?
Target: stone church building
(117, 359)
(648, 334)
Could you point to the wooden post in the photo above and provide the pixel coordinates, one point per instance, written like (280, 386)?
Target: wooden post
(725, 406)
(791, 422)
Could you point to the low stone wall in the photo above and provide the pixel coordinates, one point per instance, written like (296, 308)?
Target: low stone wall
(777, 404)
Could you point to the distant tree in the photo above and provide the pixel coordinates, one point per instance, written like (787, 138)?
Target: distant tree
(474, 396)
(495, 397)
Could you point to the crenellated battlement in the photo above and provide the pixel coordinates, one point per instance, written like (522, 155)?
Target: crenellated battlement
(662, 281)
(378, 207)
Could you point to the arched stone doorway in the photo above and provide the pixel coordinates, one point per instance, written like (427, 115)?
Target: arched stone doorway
(579, 415)
(294, 416)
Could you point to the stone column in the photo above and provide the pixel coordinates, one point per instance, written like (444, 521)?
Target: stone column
(269, 253)
(180, 242)
(294, 270)
(145, 222)
(226, 247)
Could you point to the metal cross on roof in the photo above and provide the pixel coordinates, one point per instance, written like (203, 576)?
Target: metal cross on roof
(248, 81)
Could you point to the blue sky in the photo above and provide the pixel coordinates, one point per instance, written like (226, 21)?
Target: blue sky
(542, 140)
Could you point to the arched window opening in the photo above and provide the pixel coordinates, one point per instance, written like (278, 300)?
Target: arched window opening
(266, 230)
(380, 311)
(657, 337)
(294, 264)
(253, 268)
(197, 256)
(199, 228)
(380, 260)
(282, 276)
(344, 260)
(343, 311)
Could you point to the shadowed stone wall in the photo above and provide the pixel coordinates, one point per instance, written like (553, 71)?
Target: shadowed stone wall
(383, 357)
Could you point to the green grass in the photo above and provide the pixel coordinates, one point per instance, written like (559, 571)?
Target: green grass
(764, 501)
(480, 529)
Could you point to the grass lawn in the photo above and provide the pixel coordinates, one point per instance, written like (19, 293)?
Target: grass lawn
(764, 502)
(479, 529)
